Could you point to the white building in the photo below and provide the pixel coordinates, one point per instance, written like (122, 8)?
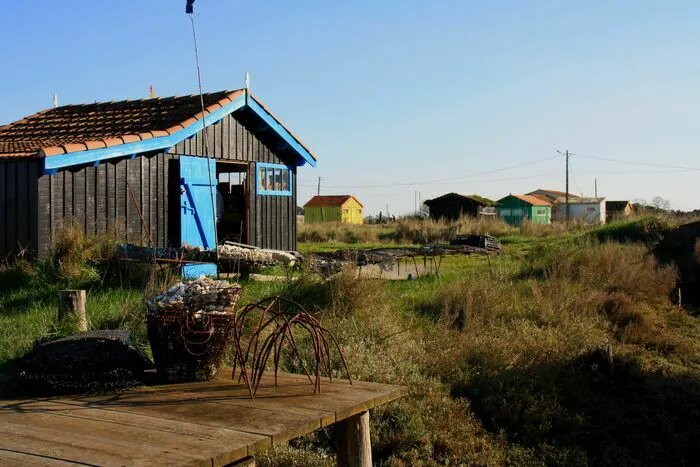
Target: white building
(588, 210)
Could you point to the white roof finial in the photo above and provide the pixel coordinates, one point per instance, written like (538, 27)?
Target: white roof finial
(247, 81)
(55, 100)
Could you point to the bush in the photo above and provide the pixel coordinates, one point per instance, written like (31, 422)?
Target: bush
(74, 255)
(607, 267)
(406, 230)
(644, 229)
(471, 302)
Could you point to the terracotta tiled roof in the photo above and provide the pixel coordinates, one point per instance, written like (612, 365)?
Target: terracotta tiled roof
(73, 128)
(332, 200)
(534, 200)
(550, 195)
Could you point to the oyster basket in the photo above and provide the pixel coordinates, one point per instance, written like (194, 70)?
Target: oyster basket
(189, 344)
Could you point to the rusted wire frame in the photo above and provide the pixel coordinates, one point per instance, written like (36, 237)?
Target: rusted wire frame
(255, 337)
(260, 358)
(273, 343)
(272, 339)
(187, 342)
(239, 358)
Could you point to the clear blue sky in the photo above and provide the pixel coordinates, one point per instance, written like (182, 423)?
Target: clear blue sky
(402, 92)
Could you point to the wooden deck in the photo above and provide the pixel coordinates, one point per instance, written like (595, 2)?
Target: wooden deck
(212, 423)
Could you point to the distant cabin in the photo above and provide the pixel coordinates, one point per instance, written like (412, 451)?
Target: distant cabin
(337, 208)
(618, 209)
(452, 206)
(551, 196)
(586, 210)
(155, 171)
(581, 209)
(515, 209)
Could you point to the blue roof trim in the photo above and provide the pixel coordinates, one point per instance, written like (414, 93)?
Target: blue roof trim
(273, 123)
(94, 156)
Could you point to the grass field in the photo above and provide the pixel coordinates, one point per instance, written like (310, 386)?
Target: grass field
(507, 360)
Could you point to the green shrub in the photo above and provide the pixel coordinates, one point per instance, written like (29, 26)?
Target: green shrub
(74, 255)
(608, 267)
(644, 229)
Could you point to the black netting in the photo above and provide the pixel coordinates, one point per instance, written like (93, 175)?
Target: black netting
(84, 362)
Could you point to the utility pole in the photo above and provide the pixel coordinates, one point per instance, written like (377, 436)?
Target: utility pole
(567, 186)
(596, 187)
(318, 190)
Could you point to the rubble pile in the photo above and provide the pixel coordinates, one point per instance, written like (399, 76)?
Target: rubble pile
(203, 295)
(229, 252)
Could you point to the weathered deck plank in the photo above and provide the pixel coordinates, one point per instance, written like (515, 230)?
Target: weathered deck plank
(211, 423)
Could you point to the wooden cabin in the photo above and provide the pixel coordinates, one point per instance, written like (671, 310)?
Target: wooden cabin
(156, 171)
(583, 210)
(515, 209)
(336, 208)
(618, 210)
(452, 206)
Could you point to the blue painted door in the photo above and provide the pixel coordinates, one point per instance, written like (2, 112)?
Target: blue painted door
(198, 215)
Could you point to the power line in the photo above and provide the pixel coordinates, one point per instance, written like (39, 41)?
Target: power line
(441, 180)
(488, 180)
(573, 175)
(648, 164)
(635, 172)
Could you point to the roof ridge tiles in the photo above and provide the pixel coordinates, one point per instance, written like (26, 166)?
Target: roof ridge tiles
(85, 126)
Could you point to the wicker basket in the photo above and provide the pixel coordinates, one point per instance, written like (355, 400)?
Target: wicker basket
(189, 344)
(186, 348)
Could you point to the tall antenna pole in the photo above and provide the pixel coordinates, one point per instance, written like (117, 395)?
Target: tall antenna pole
(190, 11)
(567, 186)
(318, 190)
(596, 187)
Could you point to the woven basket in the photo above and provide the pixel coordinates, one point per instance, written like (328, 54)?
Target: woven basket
(186, 348)
(189, 345)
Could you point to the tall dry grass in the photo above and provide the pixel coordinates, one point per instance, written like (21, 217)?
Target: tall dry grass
(75, 255)
(525, 352)
(426, 231)
(607, 267)
(408, 230)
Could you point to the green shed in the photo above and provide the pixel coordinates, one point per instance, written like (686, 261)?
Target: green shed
(514, 209)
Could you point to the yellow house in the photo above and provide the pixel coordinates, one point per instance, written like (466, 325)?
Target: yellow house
(336, 208)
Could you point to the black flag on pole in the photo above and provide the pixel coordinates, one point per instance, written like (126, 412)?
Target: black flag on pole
(189, 8)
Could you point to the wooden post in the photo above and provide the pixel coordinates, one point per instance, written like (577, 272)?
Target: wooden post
(354, 444)
(71, 304)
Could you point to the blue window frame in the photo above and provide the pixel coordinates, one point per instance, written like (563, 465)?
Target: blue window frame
(273, 179)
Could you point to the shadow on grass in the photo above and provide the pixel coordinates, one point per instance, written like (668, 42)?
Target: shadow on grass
(13, 279)
(590, 412)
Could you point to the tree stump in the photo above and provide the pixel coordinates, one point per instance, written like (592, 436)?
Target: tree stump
(71, 305)
(354, 445)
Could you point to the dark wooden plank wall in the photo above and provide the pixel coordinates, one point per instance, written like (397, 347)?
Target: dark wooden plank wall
(97, 200)
(18, 207)
(272, 218)
(34, 207)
